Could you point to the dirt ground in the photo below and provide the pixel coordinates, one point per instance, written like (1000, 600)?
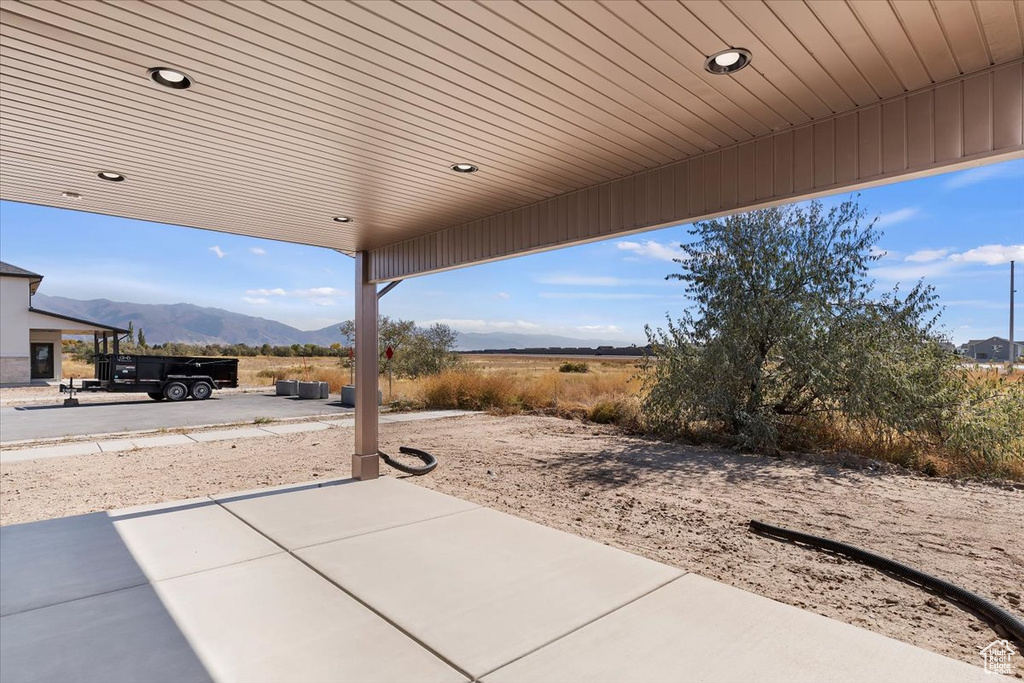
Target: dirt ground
(679, 505)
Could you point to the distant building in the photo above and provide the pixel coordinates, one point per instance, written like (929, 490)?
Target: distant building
(991, 349)
(30, 348)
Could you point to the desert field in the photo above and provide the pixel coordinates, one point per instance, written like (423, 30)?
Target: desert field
(682, 505)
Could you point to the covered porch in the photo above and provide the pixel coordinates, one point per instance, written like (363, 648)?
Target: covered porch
(420, 137)
(46, 332)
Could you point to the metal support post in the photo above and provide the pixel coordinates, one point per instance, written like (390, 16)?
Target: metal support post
(365, 461)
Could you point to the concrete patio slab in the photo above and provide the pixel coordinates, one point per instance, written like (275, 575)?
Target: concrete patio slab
(325, 514)
(483, 588)
(172, 539)
(695, 629)
(125, 636)
(49, 562)
(227, 434)
(273, 619)
(420, 586)
(296, 428)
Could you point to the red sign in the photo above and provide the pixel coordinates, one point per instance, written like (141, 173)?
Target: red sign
(389, 353)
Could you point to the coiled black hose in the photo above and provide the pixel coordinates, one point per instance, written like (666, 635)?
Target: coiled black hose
(994, 613)
(430, 462)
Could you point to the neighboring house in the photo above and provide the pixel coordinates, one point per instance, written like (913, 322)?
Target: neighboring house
(30, 339)
(991, 349)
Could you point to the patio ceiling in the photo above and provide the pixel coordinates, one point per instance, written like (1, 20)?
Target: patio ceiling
(586, 119)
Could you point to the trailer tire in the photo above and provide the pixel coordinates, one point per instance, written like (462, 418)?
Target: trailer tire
(175, 391)
(156, 396)
(201, 391)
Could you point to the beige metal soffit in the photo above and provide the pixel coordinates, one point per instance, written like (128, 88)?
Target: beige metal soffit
(967, 121)
(302, 111)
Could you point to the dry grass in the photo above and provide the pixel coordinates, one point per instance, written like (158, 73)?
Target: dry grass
(606, 393)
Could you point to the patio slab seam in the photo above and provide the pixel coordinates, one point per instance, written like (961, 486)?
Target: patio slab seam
(596, 619)
(147, 582)
(371, 608)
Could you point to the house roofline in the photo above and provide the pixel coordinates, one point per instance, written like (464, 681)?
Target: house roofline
(83, 321)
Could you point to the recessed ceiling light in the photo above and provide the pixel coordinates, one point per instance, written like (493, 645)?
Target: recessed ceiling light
(112, 176)
(342, 219)
(70, 195)
(169, 78)
(727, 61)
(464, 168)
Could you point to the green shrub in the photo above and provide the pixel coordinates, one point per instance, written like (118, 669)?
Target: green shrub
(569, 366)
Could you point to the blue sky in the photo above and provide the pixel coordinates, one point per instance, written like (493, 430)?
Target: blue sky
(958, 231)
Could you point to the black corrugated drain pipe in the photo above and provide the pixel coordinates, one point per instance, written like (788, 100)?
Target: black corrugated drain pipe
(994, 613)
(429, 461)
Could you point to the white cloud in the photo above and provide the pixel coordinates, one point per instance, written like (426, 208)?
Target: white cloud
(322, 302)
(257, 301)
(503, 295)
(316, 292)
(991, 254)
(258, 251)
(926, 255)
(603, 329)
(218, 251)
(319, 293)
(897, 216)
(974, 176)
(468, 325)
(652, 249)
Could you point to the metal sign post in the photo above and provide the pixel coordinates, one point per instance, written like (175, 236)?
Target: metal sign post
(390, 353)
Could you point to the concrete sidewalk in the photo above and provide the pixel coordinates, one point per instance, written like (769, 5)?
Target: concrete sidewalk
(99, 444)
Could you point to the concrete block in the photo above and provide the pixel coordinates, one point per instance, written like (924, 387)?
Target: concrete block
(325, 514)
(488, 587)
(695, 629)
(287, 387)
(309, 389)
(273, 619)
(325, 390)
(348, 396)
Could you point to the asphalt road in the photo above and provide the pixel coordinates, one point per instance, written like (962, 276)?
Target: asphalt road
(52, 421)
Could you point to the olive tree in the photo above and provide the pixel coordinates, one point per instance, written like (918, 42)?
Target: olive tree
(787, 324)
(417, 351)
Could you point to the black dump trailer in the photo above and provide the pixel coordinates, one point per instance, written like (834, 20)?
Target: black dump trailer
(162, 377)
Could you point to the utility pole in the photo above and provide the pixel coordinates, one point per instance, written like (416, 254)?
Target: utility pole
(1012, 355)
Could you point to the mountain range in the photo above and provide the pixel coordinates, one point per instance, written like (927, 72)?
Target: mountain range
(201, 325)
